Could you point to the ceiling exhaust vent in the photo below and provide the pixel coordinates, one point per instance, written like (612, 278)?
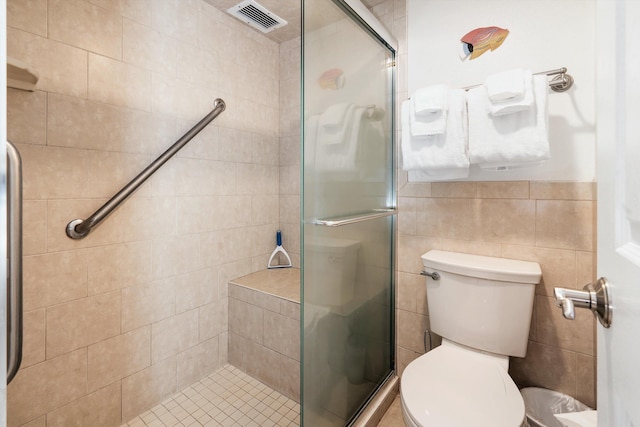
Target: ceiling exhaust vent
(257, 16)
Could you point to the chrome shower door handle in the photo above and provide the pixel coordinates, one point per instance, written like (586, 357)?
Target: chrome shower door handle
(595, 297)
(14, 264)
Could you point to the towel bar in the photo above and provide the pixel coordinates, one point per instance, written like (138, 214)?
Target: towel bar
(338, 222)
(560, 83)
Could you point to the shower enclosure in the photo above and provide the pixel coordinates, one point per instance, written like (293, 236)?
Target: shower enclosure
(348, 210)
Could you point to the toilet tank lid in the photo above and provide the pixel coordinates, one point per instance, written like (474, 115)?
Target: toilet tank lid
(484, 267)
(331, 243)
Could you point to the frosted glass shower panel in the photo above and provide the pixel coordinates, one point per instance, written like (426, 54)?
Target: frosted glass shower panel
(347, 318)
(348, 197)
(347, 112)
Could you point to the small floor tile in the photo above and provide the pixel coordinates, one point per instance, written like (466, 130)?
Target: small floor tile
(229, 398)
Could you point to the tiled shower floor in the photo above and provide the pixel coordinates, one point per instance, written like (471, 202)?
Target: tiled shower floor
(228, 397)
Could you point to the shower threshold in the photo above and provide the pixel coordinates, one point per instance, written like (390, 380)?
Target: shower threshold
(227, 397)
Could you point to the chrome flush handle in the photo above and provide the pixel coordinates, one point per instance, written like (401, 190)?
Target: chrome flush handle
(434, 275)
(595, 297)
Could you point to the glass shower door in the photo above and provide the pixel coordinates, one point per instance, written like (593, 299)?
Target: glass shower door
(348, 205)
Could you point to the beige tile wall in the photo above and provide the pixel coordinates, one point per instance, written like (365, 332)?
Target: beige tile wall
(290, 147)
(511, 220)
(264, 337)
(118, 321)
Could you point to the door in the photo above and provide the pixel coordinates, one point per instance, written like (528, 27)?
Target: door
(348, 213)
(619, 209)
(3, 205)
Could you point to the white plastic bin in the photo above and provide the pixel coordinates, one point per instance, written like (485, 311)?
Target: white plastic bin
(541, 404)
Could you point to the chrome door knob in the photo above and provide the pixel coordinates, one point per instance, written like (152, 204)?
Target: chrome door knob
(595, 297)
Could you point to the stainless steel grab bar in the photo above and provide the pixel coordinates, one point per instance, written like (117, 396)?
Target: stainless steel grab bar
(79, 228)
(338, 222)
(14, 264)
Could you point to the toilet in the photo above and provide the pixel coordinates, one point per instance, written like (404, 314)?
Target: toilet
(481, 307)
(333, 263)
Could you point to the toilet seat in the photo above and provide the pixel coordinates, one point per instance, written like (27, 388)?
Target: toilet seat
(453, 386)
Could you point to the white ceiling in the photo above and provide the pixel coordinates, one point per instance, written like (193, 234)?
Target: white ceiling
(289, 10)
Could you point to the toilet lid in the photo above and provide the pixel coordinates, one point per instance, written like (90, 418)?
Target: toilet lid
(452, 387)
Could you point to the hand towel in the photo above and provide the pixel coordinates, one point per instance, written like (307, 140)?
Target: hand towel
(430, 100)
(524, 103)
(438, 174)
(334, 116)
(334, 123)
(514, 140)
(426, 125)
(310, 139)
(429, 107)
(435, 125)
(506, 86)
(342, 157)
(436, 154)
(373, 151)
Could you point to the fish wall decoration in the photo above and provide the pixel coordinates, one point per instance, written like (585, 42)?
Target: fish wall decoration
(480, 40)
(332, 79)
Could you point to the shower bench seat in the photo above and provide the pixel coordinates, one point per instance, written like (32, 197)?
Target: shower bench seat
(264, 328)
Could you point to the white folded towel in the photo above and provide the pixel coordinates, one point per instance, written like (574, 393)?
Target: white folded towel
(334, 116)
(341, 157)
(433, 124)
(514, 140)
(311, 139)
(447, 151)
(523, 103)
(334, 123)
(438, 174)
(430, 100)
(506, 86)
(429, 107)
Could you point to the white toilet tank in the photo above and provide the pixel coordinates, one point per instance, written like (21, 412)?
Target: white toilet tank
(331, 263)
(481, 302)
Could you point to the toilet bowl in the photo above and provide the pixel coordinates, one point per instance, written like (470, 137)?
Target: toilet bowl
(481, 306)
(454, 386)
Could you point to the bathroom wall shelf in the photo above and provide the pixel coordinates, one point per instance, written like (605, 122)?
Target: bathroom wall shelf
(20, 76)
